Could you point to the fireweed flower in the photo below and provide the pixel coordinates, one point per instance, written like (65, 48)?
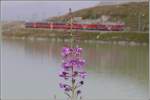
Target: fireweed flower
(71, 64)
(83, 74)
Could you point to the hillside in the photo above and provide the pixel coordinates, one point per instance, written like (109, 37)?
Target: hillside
(12, 26)
(134, 14)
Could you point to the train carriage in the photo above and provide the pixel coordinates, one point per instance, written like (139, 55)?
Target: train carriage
(100, 27)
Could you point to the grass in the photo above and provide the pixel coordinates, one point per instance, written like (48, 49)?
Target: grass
(107, 36)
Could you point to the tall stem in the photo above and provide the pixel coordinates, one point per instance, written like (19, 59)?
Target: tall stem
(72, 39)
(73, 86)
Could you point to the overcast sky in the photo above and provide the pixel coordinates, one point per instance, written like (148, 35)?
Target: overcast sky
(38, 10)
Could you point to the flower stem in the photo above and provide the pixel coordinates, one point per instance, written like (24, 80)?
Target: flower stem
(73, 85)
(73, 81)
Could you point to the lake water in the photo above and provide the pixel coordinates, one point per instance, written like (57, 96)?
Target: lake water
(30, 71)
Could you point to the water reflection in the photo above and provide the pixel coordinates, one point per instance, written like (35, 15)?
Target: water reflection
(114, 71)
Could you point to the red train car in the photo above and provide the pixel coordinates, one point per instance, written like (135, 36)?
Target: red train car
(76, 26)
(100, 27)
(59, 26)
(111, 27)
(42, 25)
(89, 26)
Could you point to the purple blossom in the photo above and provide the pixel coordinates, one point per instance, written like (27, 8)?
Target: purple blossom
(65, 51)
(81, 62)
(66, 65)
(61, 85)
(75, 74)
(83, 74)
(67, 89)
(79, 50)
(72, 62)
(65, 75)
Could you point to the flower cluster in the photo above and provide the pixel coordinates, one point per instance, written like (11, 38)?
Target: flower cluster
(72, 57)
(72, 65)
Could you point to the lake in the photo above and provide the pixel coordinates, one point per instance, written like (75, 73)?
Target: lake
(115, 72)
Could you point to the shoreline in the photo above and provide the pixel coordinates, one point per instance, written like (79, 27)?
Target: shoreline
(123, 43)
(102, 37)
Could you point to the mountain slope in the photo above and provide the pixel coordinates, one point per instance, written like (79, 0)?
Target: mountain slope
(134, 14)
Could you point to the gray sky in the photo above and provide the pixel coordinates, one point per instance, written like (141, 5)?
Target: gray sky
(38, 10)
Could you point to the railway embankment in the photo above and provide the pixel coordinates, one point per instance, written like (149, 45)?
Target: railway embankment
(83, 35)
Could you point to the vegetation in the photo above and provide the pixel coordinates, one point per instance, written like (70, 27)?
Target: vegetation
(135, 15)
(105, 36)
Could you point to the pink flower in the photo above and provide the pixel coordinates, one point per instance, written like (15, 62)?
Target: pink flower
(65, 51)
(75, 74)
(83, 74)
(72, 62)
(65, 75)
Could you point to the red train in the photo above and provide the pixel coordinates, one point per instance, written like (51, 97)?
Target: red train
(101, 27)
